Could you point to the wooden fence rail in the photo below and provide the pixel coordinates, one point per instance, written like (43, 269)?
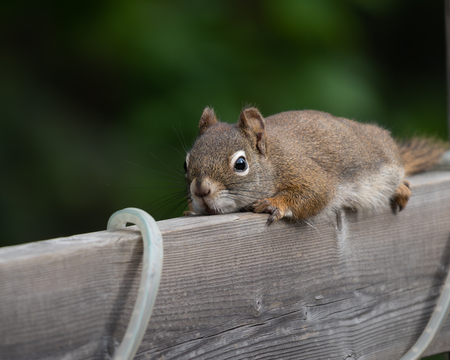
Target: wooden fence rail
(358, 286)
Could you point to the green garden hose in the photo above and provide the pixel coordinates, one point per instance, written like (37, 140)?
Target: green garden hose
(150, 277)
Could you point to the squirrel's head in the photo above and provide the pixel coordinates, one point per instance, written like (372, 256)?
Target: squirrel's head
(224, 167)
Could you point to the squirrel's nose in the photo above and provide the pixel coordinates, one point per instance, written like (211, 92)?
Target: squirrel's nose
(202, 190)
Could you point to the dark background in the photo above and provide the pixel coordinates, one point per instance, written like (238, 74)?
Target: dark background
(98, 97)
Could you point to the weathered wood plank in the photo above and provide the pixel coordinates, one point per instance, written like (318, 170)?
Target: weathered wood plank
(359, 287)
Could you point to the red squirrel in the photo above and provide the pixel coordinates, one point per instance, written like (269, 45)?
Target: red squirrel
(300, 164)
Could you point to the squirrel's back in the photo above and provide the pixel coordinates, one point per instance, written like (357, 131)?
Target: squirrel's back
(343, 147)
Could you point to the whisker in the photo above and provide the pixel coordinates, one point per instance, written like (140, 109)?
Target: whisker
(158, 172)
(182, 136)
(164, 201)
(167, 166)
(154, 187)
(174, 208)
(173, 147)
(169, 196)
(181, 142)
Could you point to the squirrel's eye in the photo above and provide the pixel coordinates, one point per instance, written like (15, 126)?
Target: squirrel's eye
(240, 164)
(185, 167)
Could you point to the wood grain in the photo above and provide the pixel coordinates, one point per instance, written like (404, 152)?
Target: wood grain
(357, 286)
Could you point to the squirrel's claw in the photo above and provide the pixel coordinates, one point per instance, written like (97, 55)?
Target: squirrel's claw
(266, 206)
(189, 213)
(274, 217)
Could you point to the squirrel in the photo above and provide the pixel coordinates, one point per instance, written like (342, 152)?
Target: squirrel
(300, 164)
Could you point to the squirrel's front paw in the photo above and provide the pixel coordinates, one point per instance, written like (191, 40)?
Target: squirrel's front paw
(189, 213)
(269, 206)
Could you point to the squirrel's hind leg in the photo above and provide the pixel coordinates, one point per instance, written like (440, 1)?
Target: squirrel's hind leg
(401, 195)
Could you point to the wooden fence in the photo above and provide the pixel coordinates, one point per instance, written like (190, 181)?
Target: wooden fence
(358, 286)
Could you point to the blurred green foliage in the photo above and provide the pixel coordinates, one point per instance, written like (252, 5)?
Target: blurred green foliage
(98, 97)
(436, 357)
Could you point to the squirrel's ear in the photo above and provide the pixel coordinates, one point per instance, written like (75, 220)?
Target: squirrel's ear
(252, 124)
(208, 118)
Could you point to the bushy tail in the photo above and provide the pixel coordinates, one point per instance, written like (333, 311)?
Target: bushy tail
(421, 154)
